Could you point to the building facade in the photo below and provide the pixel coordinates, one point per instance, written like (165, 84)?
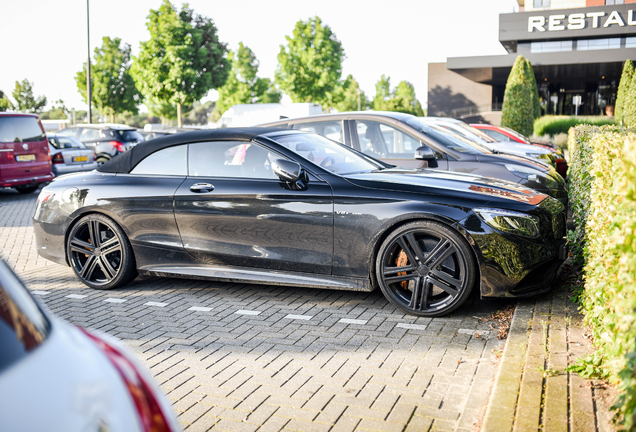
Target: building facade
(577, 49)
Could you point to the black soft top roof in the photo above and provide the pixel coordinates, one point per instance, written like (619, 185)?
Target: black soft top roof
(125, 162)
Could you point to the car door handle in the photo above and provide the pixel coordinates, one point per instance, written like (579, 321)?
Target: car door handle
(202, 187)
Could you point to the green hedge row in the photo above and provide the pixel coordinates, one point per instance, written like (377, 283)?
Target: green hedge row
(554, 125)
(602, 180)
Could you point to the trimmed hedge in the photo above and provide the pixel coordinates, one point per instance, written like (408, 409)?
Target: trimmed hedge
(554, 125)
(602, 180)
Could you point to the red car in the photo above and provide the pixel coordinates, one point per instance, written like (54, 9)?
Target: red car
(502, 133)
(25, 160)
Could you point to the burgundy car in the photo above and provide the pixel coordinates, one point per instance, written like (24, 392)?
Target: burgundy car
(25, 161)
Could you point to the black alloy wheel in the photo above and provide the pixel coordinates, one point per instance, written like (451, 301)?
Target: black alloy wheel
(99, 252)
(425, 268)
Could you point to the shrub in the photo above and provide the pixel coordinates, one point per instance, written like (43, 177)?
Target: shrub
(536, 104)
(629, 104)
(554, 125)
(518, 111)
(602, 180)
(623, 90)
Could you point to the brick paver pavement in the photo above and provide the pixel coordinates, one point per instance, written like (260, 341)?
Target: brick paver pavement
(243, 357)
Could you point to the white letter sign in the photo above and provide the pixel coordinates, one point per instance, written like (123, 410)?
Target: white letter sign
(576, 21)
(554, 23)
(536, 22)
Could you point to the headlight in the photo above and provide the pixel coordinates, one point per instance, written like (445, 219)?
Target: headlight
(511, 222)
(533, 175)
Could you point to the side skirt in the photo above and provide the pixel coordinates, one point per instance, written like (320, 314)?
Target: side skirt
(257, 276)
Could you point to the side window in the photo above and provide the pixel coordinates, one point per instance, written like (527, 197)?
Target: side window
(169, 161)
(231, 159)
(380, 140)
(67, 132)
(328, 129)
(497, 135)
(89, 135)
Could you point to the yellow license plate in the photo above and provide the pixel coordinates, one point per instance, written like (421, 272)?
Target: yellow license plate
(25, 158)
(80, 159)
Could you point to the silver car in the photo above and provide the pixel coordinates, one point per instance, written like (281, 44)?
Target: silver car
(69, 155)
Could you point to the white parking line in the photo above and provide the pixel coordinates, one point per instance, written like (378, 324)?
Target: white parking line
(411, 326)
(352, 321)
(115, 300)
(40, 292)
(300, 317)
(471, 332)
(156, 304)
(247, 312)
(76, 296)
(200, 309)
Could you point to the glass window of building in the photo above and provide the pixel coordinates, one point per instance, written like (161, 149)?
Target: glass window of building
(553, 46)
(598, 44)
(630, 42)
(614, 2)
(541, 3)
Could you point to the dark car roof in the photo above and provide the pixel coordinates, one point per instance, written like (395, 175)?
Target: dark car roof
(128, 160)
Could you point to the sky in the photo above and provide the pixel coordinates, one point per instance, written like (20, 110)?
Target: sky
(45, 41)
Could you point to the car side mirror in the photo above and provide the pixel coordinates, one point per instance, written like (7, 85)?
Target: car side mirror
(424, 153)
(290, 172)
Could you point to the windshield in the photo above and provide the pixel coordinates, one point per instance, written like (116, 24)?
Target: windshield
(328, 154)
(128, 135)
(516, 134)
(448, 138)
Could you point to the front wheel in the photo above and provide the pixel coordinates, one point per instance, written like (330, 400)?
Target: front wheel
(99, 253)
(425, 268)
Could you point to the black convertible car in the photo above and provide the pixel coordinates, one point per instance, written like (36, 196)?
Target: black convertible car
(286, 207)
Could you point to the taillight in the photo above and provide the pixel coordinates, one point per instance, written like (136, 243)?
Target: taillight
(57, 159)
(94, 156)
(118, 145)
(148, 407)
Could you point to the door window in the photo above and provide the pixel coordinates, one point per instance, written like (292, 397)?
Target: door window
(384, 141)
(231, 159)
(89, 135)
(497, 135)
(168, 161)
(328, 129)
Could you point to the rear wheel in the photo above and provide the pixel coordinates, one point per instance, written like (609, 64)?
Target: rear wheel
(101, 160)
(27, 189)
(425, 268)
(99, 253)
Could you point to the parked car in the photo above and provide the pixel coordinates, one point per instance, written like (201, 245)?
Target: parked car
(108, 140)
(25, 162)
(272, 206)
(502, 134)
(406, 141)
(151, 134)
(70, 155)
(56, 376)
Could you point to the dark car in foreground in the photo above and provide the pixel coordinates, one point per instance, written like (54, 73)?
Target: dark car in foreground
(108, 140)
(55, 376)
(285, 207)
(406, 141)
(69, 155)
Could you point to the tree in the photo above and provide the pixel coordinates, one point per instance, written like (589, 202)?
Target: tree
(200, 113)
(57, 111)
(347, 96)
(183, 59)
(113, 88)
(24, 99)
(623, 90)
(310, 67)
(518, 110)
(402, 99)
(242, 85)
(629, 104)
(5, 103)
(536, 103)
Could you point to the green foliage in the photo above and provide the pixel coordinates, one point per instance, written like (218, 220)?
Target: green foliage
(623, 90)
(629, 106)
(57, 111)
(242, 85)
(554, 125)
(602, 192)
(5, 103)
(402, 99)
(113, 88)
(346, 95)
(183, 59)
(199, 114)
(536, 103)
(518, 106)
(24, 99)
(310, 66)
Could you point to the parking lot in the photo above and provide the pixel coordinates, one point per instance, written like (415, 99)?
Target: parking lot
(254, 357)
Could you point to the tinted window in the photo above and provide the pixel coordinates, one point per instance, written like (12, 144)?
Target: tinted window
(497, 135)
(90, 135)
(65, 143)
(22, 325)
(231, 159)
(128, 135)
(169, 161)
(67, 132)
(328, 129)
(20, 129)
(383, 141)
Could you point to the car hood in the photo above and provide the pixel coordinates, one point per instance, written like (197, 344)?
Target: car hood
(446, 183)
(516, 148)
(507, 158)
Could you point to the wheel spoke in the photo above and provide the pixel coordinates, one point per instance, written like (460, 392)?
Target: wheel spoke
(450, 290)
(388, 271)
(445, 277)
(419, 298)
(108, 270)
(89, 267)
(93, 230)
(407, 251)
(110, 246)
(441, 257)
(81, 246)
(402, 278)
(415, 247)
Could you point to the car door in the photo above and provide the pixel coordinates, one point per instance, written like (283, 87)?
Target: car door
(392, 145)
(233, 211)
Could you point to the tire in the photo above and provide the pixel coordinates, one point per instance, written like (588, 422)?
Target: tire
(27, 189)
(425, 268)
(109, 265)
(101, 160)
